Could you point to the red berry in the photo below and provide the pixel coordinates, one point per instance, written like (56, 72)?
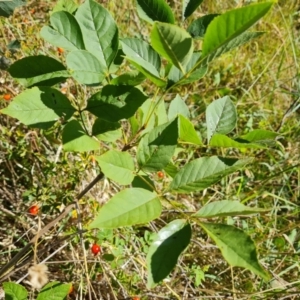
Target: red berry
(33, 210)
(71, 290)
(96, 249)
(60, 50)
(160, 174)
(136, 298)
(7, 97)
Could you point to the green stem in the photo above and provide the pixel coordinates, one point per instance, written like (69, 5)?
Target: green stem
(83, 124)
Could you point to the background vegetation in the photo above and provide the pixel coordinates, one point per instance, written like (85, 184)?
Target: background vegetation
(262, 78)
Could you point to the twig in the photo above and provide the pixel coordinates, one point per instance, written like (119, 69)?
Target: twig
(11, 264)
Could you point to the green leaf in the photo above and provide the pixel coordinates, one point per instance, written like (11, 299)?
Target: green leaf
(231, 24)
(189, 6)
(220, 140)
(204, 172)
(40, 107)
(178, 106)
(220, 117)
(144, 182)
(259, 136)
(145, 115)
(114, 103)
(38, 70)
(226, 208)
(173, 43)
(133, 78)
(74, 138)
(129, 207)
(7, 7)
(152, 114)
(117, 166)
(85, 67)
(14, 291)
(157, 147)
(144, 58)
(139, 49)
(155, 10)
(236, 42)
(187, 132)
(160, 113)
(171, 170)
(64, 31)
(176, 76)
(65, 5)
(236, 247)
(118, 60)
(147, 71)
(197, 28)
(99, 30)
(106, 131)
(165, 250)
(54, 291)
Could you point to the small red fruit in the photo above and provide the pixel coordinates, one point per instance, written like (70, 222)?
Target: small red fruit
(160, 174)
(7, 97)
(71, 290)
(136, 298)
(33, 210)
(60, 50)
(96, 249)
